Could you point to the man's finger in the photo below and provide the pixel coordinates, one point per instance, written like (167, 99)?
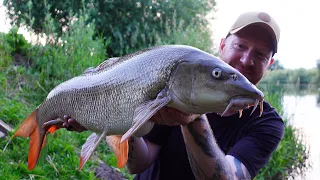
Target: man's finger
(75, 125)
(58, 123)
(180, 117)
(156, 118)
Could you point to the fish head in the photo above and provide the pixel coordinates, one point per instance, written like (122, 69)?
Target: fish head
(203, 83)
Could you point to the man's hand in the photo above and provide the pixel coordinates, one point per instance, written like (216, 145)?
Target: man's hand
(72, 125)
(172, 117)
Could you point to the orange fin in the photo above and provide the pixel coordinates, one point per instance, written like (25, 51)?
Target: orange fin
(28, 125)
(34, 148)
(30, 128)
(89, 146)
(120, 149)
(52, 129)
(44, 141)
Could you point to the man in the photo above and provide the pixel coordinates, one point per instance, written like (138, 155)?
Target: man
(184, 147)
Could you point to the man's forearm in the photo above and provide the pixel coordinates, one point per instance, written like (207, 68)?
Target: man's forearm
(205, 157)
(137, 149)
(141, 155)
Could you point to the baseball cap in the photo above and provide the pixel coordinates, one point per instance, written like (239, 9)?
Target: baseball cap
(261, 18)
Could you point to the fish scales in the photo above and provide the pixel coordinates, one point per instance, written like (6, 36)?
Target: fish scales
(104, 92)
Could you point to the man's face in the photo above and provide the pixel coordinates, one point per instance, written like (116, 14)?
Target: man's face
(249, 51)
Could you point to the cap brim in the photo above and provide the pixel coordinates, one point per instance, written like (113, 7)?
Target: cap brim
(265, 26)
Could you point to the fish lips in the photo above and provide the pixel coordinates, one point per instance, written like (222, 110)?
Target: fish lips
(238, 103)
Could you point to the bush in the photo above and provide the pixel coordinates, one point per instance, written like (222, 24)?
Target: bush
(17, 42)
(5, 53)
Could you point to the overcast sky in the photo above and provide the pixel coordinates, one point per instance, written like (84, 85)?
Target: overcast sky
(299, 22)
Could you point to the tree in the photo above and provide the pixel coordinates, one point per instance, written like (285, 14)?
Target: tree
(129, 24)
(318, 75)
(318, 64)
(276, 65)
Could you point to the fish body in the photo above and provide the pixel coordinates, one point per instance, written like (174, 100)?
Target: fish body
(118, 97)
(106, 100)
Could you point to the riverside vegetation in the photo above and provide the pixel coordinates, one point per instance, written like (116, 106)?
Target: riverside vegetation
(29, 71)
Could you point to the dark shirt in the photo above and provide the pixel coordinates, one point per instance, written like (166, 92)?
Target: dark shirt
(250, 139)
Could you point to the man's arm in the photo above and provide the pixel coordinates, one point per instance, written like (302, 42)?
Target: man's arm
(206, 159)
(240, 171)
(142, 154)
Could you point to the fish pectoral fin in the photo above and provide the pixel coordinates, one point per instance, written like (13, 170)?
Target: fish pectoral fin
(89, 146)
(120, 150)
(145, 111)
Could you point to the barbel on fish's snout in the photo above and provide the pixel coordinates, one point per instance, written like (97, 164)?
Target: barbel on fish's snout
(117, 98)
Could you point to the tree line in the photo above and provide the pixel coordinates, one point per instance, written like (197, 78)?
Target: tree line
(279, 75)
(128, 25)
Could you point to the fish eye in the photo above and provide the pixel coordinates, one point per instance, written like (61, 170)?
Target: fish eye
(216, 72)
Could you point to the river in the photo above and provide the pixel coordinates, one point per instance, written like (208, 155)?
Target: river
(304, 113)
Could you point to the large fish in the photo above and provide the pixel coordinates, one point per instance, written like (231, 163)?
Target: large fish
(117, 98)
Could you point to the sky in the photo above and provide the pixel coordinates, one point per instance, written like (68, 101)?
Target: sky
(299, 21)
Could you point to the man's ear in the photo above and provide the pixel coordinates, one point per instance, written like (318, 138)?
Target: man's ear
(222, 44)
(271, 62)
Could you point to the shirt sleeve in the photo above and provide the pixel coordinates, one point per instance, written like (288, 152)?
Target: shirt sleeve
(255, 148)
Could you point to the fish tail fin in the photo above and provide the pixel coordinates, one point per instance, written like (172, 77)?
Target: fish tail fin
(30, 128)
(120, 149)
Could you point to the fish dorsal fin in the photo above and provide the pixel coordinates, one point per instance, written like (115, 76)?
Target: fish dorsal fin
(89, 146)
(145, 111)
(120, 150)
(105, 65)
(111, 62)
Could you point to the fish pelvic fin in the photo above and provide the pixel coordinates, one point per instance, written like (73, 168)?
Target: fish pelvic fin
(120, 150)
(30, 128)
(89, 146)
(145, 111)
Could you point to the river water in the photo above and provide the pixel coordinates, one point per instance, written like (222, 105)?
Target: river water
(304, 113)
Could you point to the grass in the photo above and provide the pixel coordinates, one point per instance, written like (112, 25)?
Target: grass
(24, 84)
(290, 160)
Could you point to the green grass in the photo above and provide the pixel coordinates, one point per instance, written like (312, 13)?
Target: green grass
(290, 159)
(25, 83)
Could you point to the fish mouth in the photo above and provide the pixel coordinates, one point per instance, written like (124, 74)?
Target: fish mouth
(239, 103)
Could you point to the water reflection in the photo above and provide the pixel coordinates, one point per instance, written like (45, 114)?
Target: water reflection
(301, 105)
(304, 112)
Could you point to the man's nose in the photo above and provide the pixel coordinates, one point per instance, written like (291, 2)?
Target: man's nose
(247, 58)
